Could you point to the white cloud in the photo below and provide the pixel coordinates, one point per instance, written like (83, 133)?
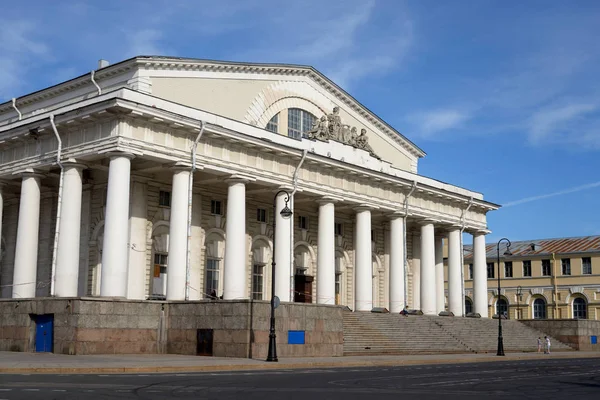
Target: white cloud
(434, 122)
(554, 194)
(551, 123)
(17, 46)
(145, 42)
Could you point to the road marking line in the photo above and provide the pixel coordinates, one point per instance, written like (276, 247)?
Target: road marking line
(59, 390)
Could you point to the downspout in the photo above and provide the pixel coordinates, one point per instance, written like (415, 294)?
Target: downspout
(95, 84)
(294, 189)
(555, 285)
(414, 186)
(188, 261)
(14, 104)
(58, 206)
(463, 218)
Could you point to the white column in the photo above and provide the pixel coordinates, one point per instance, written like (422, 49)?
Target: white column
(115, 248)
(428, 297)
(66, 278)
(283, 252)
(396, 263)
(455, 295)
(234, 274)
(439, 276)
(25, 269)
(416, 271)
(138, 222)
(364, 261)
(176, 262)
(326, 253)
(480, 295)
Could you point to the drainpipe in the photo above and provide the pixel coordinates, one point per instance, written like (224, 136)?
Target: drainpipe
(414, 186)
(555, 284)
(14, 104)
(95, 84)
(295, 187)
(463, 219)
(58, 207)
(188, 261)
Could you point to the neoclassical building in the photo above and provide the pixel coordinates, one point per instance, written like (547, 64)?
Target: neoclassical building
(156, 178)
(543, 279)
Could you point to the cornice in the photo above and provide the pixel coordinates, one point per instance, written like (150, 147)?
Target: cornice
(134, 107)
(169, 63)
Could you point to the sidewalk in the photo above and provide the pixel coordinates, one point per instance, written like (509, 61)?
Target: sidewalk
(22, 363)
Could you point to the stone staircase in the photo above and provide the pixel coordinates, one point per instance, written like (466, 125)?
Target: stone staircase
(371, 333)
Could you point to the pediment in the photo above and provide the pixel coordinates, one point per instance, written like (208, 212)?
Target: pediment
(255, 93)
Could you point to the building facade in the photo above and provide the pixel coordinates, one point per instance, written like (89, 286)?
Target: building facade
(164, 178)
(542, 279)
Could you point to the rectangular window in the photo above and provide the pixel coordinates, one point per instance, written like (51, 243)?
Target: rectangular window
(295, 123)
(164, 198)
(526, 268)
(216, 207)
(566, 266)
(586, 266)
(303, 222)
(546, 268)
(273, 124)
(257, 281)
(160, 264)
(339, 229)
(490, 270)
(508, 271)
(212, 278)
(470, 271)
(261, 215)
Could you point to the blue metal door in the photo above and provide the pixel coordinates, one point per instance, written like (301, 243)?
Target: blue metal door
(44, 329)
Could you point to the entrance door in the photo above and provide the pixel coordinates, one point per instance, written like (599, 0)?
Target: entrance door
(303, 288)
(44, 329)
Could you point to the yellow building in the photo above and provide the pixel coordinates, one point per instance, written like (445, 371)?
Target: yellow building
(541, 279)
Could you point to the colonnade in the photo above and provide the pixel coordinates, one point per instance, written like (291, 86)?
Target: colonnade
(428, 270)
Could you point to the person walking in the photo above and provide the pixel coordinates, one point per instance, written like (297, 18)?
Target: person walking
(547, 344)
(539, 342)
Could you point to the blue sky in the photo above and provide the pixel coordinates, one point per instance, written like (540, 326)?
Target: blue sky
(503, 96)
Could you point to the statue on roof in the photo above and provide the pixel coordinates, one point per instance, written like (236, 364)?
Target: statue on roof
(330, 127)
(334, 124)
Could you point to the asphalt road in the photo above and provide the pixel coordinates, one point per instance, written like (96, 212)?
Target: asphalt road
(547, 379)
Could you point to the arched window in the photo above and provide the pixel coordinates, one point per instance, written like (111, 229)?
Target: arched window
(299, 122)
(502, 307)
(273, 124)
(468, 306)
(539, 309)
(579, 308)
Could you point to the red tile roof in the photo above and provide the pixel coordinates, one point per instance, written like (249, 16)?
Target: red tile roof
(584, 244)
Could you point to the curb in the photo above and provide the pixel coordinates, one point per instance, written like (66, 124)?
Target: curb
(274, 366)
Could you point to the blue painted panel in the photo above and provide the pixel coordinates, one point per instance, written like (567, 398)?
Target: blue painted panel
(594, 339)
(295, 337)
(44, 329)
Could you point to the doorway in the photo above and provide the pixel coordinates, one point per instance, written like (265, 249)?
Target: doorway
(303, 288)
(44, 333)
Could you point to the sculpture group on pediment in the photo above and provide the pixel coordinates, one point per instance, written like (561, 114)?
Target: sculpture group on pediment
(330, 127)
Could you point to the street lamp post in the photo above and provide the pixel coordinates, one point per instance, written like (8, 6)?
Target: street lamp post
(285, 213)
(500, 339)
(519, 296)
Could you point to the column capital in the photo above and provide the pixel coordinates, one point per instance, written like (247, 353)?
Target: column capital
(116, 154)
(365, 207)
(478, 231)
(233, 179)
(28, 173)
(328, 199)
(72, 163)
(426, 221)
(396, 214)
